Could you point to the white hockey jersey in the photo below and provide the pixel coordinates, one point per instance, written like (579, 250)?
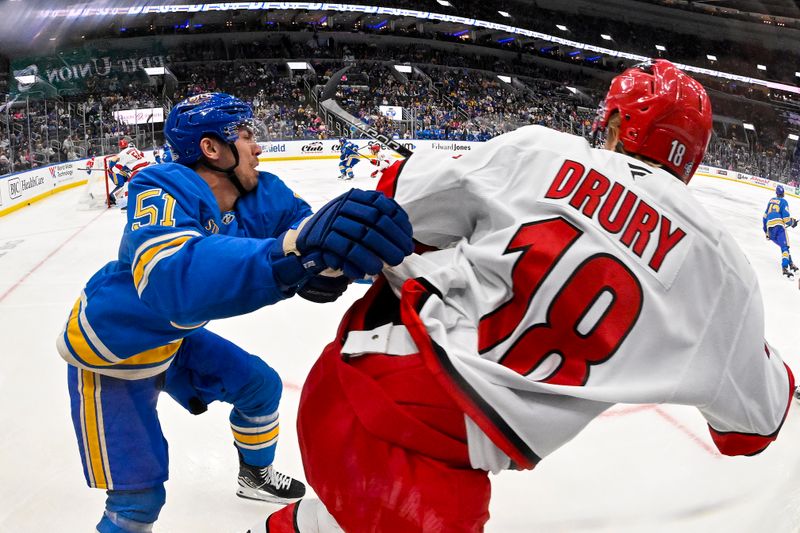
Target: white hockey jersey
(383, 160)
(131, 161)
(563, 280)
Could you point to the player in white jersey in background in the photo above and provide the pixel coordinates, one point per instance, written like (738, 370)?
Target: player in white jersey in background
(553, 280)
(124, 167)
(380, 159)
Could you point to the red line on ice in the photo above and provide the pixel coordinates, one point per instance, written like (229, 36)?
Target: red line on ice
(51, 254)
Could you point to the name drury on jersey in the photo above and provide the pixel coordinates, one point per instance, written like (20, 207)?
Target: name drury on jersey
(628, 220)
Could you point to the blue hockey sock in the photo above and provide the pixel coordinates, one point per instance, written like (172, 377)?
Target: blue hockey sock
(132, 511)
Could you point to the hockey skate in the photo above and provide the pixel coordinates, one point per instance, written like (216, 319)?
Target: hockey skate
(788, 273)
(792, 267)
(267, 484)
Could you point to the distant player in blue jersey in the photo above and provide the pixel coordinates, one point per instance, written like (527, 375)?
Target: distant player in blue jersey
(207, 237)
(162, 155)
(348, 159)
(776, 220)
(166, 154)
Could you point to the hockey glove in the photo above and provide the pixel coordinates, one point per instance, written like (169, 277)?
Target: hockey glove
(289, 270)
(323, 288)
(792, 222)
(357, 233)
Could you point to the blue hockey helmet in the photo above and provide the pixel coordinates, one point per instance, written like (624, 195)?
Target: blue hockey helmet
(342, 141)
(779, 191)
(210, 114)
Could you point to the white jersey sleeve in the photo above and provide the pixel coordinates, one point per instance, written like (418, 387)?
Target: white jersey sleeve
(568, 279)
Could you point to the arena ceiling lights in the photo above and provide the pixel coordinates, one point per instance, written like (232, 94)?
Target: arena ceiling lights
(83, 11)
(793, 137)
(661, 48)
(748, 126)
(562, 27)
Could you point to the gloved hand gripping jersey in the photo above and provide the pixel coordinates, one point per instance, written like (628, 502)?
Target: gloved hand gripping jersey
(324, 288)
(356, 233)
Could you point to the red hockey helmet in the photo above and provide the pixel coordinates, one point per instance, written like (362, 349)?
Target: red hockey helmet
(375, 148)
(123, 143)
(665, 115)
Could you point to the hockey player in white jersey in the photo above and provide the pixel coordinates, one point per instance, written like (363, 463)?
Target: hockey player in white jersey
(124, 166)
(380, 159)
(553, 281)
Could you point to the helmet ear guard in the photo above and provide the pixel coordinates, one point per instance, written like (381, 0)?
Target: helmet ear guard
(665, 116)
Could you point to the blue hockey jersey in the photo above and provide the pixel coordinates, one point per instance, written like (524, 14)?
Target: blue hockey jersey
(348, 151)
(776, 214)
(181, 263)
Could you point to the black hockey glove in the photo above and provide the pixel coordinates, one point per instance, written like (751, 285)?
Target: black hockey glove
(323, 288)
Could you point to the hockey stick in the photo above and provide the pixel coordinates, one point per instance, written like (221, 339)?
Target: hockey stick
(330, 105)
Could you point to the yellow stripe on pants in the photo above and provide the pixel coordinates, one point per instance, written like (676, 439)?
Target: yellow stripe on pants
(92, 412)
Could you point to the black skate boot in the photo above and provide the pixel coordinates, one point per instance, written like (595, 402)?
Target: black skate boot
(788, 273)
(267, 484)
(792, 267)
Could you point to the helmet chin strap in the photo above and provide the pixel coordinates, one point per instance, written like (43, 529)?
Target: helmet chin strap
(229, 172)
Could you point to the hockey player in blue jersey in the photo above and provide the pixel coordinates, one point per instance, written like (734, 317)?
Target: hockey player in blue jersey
(166, 154)
(207, 237)
(162, 155)
(348, 159)
(775, 221)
